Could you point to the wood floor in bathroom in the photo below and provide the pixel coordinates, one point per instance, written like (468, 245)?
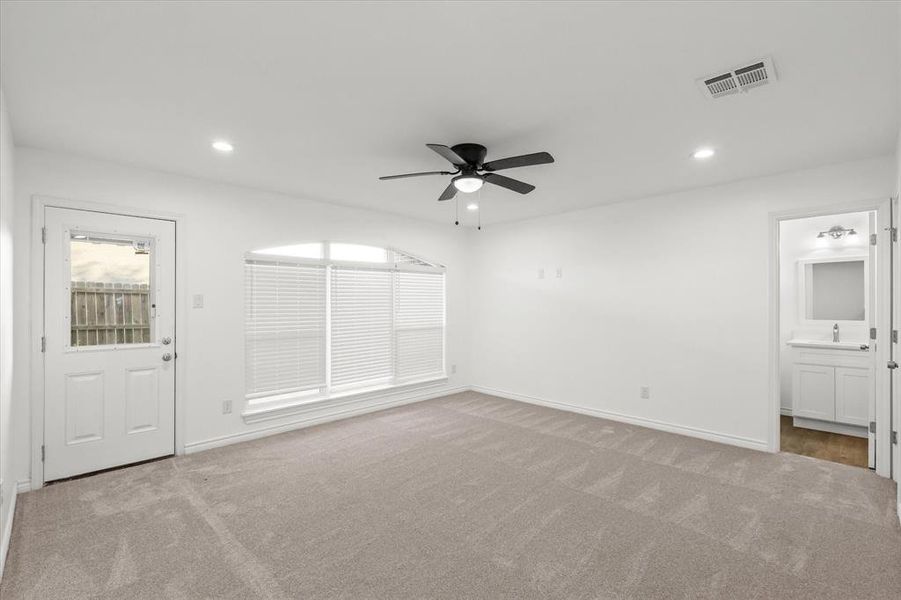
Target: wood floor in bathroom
(845, 449)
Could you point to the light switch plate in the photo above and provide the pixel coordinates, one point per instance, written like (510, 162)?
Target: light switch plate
(198, 301)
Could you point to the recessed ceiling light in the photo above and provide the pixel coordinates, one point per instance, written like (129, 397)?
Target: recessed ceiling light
(472, 206)
(223, 146)
(702, 153)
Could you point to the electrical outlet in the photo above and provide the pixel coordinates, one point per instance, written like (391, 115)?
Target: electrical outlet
(453, 369)
(540, 273)
(645, 392)
(226, 407)
(559, 272)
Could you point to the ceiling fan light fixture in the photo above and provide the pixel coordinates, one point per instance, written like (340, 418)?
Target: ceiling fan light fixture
(468, 183)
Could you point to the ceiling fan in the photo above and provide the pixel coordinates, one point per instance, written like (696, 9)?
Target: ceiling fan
(469, 160)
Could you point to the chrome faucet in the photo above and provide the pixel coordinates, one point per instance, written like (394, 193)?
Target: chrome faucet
(835, 333)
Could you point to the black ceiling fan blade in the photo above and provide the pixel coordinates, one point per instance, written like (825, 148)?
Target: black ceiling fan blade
(387, 177)
(449, 192)
(526, 160)
(510, 184)
(448, 154)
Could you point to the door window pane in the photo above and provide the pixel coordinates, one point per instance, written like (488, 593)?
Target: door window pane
(110, 290)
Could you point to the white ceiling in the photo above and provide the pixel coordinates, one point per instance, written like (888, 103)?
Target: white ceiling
(322, 98)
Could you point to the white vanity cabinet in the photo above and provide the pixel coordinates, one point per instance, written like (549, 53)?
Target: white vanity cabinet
(814, 392)
(832, 384)
(852, 395)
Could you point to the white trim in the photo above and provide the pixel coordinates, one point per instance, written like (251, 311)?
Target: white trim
(831, 427)
(298, 403)
(695, 432)
(785, 411)
(36, 312)
(7, 535)
(345, 410)
(23, 486)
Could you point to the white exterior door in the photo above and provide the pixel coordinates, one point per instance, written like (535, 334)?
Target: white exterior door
(109, 323)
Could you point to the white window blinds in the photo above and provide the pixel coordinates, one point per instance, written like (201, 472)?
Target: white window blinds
(325, 325)
(285, 327)
(419, 324)
(362, 324)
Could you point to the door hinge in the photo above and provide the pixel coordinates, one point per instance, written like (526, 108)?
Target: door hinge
(894, 231)
(872, 333)
(894, 336)
(872, 426)
(895, 438)
(43, 452)
(873, 238)
(43, 344)
(43, 235)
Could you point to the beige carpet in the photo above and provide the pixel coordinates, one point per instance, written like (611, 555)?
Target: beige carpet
(467, 496)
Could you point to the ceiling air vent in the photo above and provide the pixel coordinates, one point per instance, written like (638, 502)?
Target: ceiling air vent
(740, 79)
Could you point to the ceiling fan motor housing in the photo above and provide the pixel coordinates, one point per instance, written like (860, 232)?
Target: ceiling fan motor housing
(474, 154)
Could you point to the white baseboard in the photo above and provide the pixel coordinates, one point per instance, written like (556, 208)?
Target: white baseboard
(343, 411)
(786, 411)
(4, 542)
(695, 432)
(23, 486)
(831, 427)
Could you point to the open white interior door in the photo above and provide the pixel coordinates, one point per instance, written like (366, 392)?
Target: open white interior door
(880, 425)
(873, 277)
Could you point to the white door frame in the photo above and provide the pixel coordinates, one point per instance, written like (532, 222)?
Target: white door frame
(36, 316)
(883, 321)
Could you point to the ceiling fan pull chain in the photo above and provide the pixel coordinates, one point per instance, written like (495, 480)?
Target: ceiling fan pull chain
(457, 209)
(481, 206)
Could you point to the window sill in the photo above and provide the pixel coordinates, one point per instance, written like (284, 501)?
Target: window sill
(265, 411)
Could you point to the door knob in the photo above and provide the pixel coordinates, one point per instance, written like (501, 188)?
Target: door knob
(166, 341)
(891, 364)
(167, 357)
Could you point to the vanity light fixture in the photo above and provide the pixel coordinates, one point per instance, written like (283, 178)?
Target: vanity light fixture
(836, 232)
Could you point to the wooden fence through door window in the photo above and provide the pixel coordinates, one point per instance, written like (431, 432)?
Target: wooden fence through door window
(110, 313)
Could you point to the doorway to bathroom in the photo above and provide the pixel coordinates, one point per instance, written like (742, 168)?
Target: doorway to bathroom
(834, 335)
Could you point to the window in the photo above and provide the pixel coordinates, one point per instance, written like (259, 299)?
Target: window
(284, 327)
(326, 319)
(110, 290)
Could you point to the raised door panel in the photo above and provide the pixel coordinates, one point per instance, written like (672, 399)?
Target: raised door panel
(852, 396)
(142, 400)
(84, 407)
(814, 392)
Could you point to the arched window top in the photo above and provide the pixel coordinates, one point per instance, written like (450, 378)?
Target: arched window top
(342, 252)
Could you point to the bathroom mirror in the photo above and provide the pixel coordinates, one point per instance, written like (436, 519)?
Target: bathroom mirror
(834, 290)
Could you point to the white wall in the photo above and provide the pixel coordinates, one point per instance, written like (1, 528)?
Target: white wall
(7, 476)
(222, 222)
(797, 241)
(669, 291)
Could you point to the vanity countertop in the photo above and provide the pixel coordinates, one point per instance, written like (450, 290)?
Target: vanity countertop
(827, 344)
